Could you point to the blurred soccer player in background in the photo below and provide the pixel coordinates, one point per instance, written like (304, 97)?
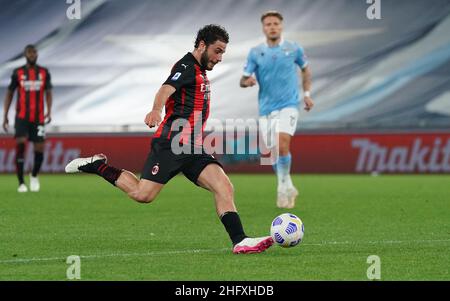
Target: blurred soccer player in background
(186, 97)
(33, 83)
(275, 64)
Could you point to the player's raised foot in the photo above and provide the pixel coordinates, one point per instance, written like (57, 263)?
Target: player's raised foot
(22, 188)
(292, 194)
(84, 164)
(282, 199)
(253, 245)
(34, 184)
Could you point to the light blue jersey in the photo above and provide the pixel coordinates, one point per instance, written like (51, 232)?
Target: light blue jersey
(277, 74)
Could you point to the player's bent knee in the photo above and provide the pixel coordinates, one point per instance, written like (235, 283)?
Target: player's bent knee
(39, 147)
(284, 145)
(144, 198)
(284, 148)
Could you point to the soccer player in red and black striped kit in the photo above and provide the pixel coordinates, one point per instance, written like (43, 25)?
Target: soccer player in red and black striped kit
(186, 96)
(33, 83)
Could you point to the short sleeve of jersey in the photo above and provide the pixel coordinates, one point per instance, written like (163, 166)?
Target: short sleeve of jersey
(181, 75)
(301, 59)
(48, 81)
(250, 65)
(14, 81)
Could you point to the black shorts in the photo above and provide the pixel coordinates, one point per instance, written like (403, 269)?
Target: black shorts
(162, 164)
(35, 132)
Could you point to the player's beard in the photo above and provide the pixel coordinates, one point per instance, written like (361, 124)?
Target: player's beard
(204, 60)
(275, 38)
(31, 62)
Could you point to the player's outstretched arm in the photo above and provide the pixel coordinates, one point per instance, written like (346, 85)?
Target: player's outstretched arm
(247, 81)
(153, 118)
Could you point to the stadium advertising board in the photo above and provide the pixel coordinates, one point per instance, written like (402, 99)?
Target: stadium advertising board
(312, 153)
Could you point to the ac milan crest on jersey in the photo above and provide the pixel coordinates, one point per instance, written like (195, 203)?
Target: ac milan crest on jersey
(155, 169)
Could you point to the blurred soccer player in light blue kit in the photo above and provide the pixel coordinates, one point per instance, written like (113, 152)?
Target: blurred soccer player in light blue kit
(276, 65)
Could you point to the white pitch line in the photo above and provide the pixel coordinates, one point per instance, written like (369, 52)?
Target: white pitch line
(26, 260)
(175, 252)
(380, 242)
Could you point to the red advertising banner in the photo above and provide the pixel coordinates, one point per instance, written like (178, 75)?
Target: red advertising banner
(311, 153)
(128, 152)
(383, 153)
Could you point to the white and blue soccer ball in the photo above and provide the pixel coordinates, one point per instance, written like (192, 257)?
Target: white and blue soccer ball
(287, 230)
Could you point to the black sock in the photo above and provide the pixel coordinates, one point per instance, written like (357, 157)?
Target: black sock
(20, 161)
(233, 225)
(109, 173)
(38, 158)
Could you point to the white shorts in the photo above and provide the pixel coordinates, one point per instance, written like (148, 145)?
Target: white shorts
(282, 121)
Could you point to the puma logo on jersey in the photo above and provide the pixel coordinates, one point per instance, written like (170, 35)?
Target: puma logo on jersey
(184, 65)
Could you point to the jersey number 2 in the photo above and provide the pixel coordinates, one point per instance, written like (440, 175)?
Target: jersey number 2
(41, 131)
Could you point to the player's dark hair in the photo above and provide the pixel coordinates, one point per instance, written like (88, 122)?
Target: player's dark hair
(271, 13)
(210, 34)
(29, 46)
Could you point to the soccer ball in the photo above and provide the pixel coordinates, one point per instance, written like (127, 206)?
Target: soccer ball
(287, 230)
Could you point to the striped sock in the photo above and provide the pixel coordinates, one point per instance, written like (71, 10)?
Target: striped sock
(107, 172)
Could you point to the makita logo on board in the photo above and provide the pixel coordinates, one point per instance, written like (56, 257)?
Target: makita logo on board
(55, 159)
(417, 157)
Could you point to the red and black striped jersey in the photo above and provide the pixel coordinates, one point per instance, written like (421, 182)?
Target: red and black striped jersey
(31, 83)
(187, 109)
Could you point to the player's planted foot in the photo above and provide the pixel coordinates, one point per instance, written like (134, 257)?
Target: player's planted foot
(253, 245)
(34, 184)
(282, 199)
(84, 164)
(22, 188)
(292, 194)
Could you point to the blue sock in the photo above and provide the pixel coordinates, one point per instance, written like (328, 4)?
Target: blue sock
(283, 171)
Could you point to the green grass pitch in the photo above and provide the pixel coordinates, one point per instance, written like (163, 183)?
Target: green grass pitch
(405, 220)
